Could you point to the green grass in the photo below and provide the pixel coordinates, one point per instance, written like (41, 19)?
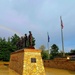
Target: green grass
(2, 63)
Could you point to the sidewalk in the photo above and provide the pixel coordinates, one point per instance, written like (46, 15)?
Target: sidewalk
(4, 70)
(53, 71)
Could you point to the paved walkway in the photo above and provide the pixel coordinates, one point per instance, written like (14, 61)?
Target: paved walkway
(4, 70)
(53, 71)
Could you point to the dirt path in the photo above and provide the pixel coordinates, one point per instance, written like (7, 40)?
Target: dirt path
(4, 70)
(53, 71)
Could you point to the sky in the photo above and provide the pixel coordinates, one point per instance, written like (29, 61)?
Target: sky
(39, 17)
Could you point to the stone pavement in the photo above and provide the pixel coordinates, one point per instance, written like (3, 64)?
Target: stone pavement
(4, 70)
(53, 71)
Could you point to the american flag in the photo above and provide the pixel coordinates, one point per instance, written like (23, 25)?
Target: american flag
(61, 22)
(48, 37)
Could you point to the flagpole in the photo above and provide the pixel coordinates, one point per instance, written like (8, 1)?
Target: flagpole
(62, 37)
(48, 47)
(48, 43)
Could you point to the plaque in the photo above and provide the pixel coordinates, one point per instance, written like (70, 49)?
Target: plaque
(33, 60)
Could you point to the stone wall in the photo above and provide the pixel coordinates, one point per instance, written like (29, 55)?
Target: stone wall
(27, 62)
(60, 63)
(36, 68)
(16, 61)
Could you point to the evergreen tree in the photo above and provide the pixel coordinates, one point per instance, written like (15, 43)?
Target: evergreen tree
(14, 39)
(54, 50)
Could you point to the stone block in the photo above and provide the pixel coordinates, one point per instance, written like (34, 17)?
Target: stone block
(27, 62)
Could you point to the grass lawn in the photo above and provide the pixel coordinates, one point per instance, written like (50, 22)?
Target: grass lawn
(3, 63)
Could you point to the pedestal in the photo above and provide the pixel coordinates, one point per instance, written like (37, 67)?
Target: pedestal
(27, 62)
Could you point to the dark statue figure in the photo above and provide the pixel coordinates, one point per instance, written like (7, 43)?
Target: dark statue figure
(18, 44)
(26, 41)
(30, 38)
(21, 42)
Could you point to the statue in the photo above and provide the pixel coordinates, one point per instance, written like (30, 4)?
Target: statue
(18, 44)
(30, 39)
(25, 41)
(21, 42)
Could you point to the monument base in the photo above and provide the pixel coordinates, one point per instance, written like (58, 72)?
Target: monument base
(27, 62)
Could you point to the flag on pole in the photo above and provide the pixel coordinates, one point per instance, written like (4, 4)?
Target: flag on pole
(62, 36)
(48, 37)
(61, 22)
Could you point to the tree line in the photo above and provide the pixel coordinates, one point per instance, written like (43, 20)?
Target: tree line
(7, 46)
(54, 52)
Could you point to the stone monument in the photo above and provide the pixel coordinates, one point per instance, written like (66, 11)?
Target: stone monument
(27, 61)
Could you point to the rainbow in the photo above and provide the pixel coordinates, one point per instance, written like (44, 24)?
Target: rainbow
(11, 30)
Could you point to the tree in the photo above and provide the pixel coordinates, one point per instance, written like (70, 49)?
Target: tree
(42, 47)
(14, 39)
(72, 52)
(33, 41)
(54, 50)
(4, 51)
(44, 53)
(7, 47)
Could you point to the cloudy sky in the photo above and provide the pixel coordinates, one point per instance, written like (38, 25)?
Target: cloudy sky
(40, 17)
